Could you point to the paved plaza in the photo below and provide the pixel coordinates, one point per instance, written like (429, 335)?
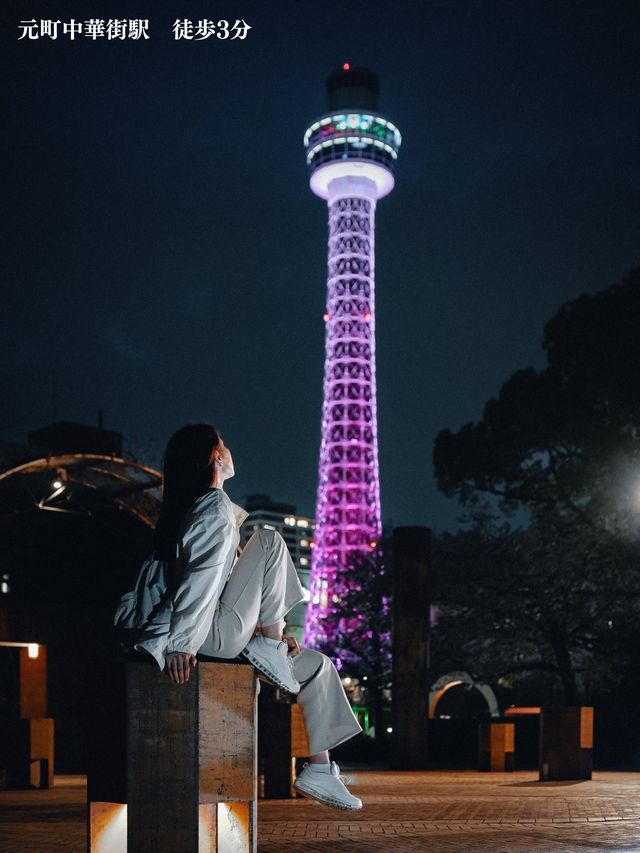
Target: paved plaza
(403, 811)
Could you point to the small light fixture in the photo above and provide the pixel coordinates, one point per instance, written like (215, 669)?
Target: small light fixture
(33, 649)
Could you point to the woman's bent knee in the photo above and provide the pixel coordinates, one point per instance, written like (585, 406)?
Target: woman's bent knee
(269, 538)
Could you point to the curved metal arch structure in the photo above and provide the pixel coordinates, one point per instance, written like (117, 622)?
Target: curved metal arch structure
(67, 482)
(457, 679)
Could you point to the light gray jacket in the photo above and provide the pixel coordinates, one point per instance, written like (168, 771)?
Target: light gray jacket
(205, 555)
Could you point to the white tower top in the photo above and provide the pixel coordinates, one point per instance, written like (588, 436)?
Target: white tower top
(352, 141)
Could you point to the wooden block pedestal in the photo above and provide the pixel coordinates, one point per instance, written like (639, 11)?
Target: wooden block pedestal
(27, 747)
(189, 761)
(27, 733)
(282, 738)
(496, 746)
(566, 743)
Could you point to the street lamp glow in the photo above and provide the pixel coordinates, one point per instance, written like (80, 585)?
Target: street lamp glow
(33, 649)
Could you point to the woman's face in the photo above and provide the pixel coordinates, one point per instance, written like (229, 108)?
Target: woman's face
(224, 461)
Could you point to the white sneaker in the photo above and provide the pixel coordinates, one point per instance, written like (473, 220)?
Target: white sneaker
(271, 658)
(326, 787)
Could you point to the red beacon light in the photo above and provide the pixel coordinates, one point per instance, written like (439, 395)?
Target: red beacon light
(346, 67)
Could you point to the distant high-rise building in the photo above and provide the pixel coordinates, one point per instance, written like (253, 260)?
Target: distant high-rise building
(351, 154)
(297, 532)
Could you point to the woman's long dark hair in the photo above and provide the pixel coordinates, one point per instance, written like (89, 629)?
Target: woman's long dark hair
(187, 474)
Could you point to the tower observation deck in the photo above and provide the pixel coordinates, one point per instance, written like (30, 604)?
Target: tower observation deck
(351, 155)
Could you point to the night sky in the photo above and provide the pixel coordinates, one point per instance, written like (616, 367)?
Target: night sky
(166, 259)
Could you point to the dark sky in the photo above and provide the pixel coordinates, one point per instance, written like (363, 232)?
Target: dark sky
(166, 259)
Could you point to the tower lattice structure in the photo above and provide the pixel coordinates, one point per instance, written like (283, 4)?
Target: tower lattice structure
(351, 153)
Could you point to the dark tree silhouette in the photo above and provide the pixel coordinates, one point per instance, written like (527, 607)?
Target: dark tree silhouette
(554, 599)
(556, 587)
(568, 436)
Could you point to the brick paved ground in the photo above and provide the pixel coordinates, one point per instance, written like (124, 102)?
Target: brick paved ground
(433, 811)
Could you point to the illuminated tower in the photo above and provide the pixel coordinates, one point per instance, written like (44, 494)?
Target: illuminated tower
(351, 154)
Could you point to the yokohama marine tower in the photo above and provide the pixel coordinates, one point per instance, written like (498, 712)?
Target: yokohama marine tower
(351, 155)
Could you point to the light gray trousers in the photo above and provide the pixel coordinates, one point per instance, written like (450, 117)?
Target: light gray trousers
(263, 587)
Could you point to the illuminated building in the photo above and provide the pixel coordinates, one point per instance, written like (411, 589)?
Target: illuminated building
(297, 532)
(351, 155)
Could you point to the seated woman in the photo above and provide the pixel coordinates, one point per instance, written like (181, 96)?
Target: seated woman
(223, 605)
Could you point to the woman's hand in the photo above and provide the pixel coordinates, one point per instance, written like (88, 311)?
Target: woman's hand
(179, 665)
(294, 648)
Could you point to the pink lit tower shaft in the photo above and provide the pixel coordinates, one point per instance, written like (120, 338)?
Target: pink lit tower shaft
(351, 153)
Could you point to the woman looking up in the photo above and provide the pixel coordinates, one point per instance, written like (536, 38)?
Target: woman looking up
(223, 605)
